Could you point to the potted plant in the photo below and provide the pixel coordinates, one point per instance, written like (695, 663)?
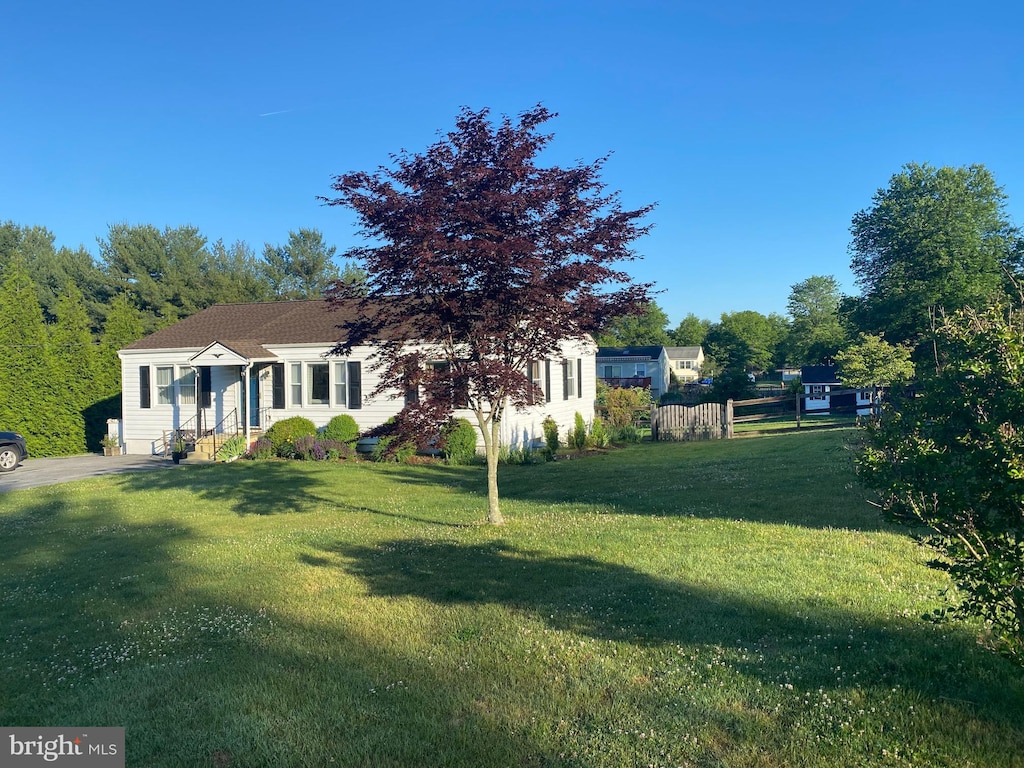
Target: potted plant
(111, 446)
(180, 451)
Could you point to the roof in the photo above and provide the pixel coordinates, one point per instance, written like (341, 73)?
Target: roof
(651, 353)
(683, 353)
(245, 328)
(818, 374)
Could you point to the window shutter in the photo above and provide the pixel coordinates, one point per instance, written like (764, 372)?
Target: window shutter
(355, 385)
(277, 385)
(579, 377)
(547, 381)
(144, 390)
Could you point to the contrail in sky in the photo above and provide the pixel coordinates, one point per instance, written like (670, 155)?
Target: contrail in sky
(279, 112)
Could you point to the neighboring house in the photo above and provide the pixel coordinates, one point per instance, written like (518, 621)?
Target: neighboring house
(788, 374)
(820, 381)
(645, 367)
(686, 363)
(238, 368)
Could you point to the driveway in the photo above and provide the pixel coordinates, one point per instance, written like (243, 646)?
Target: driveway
(32, 473)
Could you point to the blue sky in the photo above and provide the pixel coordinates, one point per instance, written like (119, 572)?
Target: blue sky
(759, 128)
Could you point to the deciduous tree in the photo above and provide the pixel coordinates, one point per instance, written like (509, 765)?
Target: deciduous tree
(952, 458)
(934, 240)
(491, 260)
(815, 332)
(646, 329)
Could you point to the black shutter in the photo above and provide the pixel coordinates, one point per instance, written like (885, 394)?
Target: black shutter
(547, 381)
(355, 385)
(205, 386)
(277, 385)
(579, 377)
(144, 390)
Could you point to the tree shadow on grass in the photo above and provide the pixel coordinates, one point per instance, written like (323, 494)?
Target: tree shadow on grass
(800, 480)
(817, 648)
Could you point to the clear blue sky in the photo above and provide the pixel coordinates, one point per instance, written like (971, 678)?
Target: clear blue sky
(759, 128)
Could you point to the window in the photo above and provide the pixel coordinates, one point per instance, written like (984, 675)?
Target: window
(277, 385)
(612, 372)
(165, 385)
(533, 373)
(187, 386)
(641, 370)
(144, 391)
(355, 384)
(568, 379)
(817, 391)
(319, 383)
(340, 386)
(296, 383)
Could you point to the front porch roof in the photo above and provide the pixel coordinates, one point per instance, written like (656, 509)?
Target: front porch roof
(232, 353)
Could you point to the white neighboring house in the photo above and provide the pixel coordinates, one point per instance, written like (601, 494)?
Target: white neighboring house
(238, 368)
(686, 363)
(819, 381)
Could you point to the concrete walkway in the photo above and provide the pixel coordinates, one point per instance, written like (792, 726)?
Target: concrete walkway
(32, 473)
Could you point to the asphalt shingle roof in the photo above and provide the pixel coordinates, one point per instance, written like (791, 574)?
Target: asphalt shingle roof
(281, 322)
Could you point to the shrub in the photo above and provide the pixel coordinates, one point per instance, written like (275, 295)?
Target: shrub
(578, 434)
(523, 455)
(551, 438)
(283, 434)
(458, 441)
(232, 448)
(338, 450)
(391, 448)
(308, 448)
(342, 428)
(262, 449)
(626, 404)
(627, 434)
(598, 434)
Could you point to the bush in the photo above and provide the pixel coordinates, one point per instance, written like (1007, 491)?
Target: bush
(551, 438)
(578, 434)
(283, 434)
(598, 434)
(342, 428)
(391, 448)
(628, 434)
(308, 448)
(232, 448)
(458, 442)
(626, 405)
(524, 455)
(262, 449)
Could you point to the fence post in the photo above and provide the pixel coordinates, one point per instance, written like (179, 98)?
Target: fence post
(728, 418)
(799, 402)
(654, 421)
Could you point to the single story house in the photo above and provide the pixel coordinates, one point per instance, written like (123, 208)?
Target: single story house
(645, 367)
(686, 363)
(238, 368)
(820, 381)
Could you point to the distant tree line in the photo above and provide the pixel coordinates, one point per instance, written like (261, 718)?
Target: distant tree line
(65, 313)
(934, 242)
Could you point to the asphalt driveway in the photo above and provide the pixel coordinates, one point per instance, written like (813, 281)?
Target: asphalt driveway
(32, 473)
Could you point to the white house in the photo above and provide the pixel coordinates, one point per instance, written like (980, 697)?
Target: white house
(237, 368)
(686, 362)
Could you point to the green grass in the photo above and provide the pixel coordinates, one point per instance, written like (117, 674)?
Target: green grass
(727, 603)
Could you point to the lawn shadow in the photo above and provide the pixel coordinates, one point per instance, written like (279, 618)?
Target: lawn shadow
(805, 480)
(815, 649)
(244, 487)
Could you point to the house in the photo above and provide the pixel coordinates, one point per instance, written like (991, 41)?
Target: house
(686, 363)
(645, 367)
(820, 381)
(238, 368)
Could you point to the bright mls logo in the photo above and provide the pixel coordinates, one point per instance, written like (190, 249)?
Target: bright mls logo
(73, 747)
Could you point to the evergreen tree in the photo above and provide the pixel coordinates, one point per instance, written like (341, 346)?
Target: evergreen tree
(74, 364)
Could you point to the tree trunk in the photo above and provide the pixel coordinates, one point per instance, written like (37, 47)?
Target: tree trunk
(489, 431)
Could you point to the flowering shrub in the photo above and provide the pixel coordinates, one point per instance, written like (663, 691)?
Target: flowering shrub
(262, 449)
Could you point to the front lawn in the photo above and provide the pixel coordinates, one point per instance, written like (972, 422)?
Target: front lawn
(726, 603)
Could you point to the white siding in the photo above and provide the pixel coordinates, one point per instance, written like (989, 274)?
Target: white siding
(144, 428)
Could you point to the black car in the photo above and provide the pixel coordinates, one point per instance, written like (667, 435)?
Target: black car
(12, 450)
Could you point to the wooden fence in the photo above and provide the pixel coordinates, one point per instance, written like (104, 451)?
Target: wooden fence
(712, 421)
(707, 421)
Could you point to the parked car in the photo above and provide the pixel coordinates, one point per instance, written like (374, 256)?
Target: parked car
(12, 450)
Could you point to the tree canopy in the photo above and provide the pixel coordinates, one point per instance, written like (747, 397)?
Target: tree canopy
(935, 240)
(492, 260)
(647, 329)
(815, 331)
